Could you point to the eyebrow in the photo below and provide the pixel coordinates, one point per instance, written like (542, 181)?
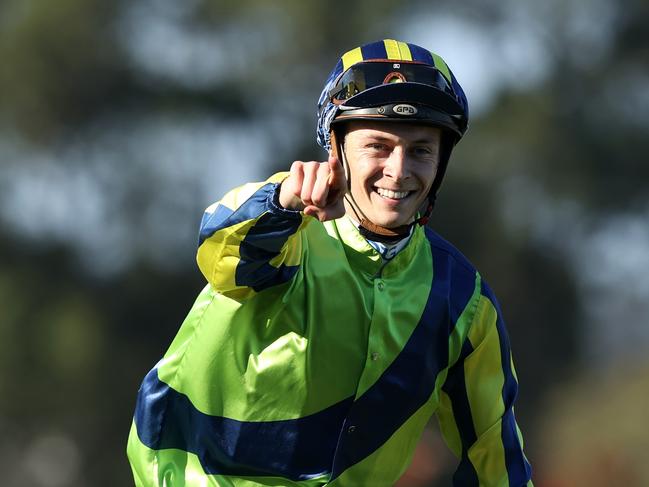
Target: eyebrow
(423, 140)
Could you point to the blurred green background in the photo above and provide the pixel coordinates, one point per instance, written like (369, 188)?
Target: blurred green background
(121, 121)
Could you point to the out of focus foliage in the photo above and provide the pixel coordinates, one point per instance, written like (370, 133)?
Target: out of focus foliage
(595, 431)
(120, 121)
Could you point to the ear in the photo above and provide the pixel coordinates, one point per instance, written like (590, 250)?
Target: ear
(336, 149)
(333, 145)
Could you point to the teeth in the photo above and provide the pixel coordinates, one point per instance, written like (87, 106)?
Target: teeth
(396, 195)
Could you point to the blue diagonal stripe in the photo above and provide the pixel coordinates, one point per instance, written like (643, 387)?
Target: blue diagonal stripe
(262, 243)
(455, 387)
(214, 221)
(410, 380)
(252, 208)
(297, 449)
(264, 240)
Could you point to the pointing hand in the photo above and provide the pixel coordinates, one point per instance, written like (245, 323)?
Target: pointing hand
(316, 188)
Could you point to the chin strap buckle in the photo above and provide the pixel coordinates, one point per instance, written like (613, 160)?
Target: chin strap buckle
(423, 219)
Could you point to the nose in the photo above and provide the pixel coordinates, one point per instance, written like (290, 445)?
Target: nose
(397, 166)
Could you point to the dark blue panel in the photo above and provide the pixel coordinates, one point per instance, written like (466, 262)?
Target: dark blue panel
(261, 275)
(252, 208)
(336, 72)
(510, 388)
(298, 449)
(463, 274)
(262, 243)
(420, 54)
(374, 50)
(324, 95)
(212, 222)
(455, 387)
(461, 96)
(410, 380)
(518, 468)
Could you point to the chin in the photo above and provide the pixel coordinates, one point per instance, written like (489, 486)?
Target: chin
(392, 217)
(392, 222)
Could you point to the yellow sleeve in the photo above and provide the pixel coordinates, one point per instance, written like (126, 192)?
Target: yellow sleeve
(476, 412)
(248, 242)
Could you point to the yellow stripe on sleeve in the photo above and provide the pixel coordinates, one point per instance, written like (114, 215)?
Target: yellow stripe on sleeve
(352, 57)
(448, 425)
(483, 368)
(484, 382)
(218, 257)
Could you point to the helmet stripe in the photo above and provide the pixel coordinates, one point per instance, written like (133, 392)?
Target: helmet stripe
(391, 49)
(442, 67)
(352, 57)
(406, 55)
(397, 50)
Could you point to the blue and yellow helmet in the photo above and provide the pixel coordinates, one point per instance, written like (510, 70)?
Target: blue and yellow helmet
(392, 80)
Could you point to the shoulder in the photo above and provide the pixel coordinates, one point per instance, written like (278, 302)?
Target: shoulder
(454, 276)
(255, 191)
(442, 248)
(461, 268)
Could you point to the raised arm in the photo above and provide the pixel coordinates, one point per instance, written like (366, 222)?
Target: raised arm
(250, 240)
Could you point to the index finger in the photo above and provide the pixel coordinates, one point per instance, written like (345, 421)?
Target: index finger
(337, 175)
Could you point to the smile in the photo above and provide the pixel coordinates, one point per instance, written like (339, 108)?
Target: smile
(395, 195)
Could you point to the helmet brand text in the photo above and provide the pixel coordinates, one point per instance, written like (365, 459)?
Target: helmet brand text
(404, 109)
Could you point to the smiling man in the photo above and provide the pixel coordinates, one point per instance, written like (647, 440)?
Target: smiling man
(334, 323)
(394, 166)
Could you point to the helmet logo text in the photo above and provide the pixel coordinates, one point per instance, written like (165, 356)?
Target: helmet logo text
(404, 109)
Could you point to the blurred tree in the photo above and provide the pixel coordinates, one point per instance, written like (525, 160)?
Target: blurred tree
(120, 121)
(60, 65)
(596, 431)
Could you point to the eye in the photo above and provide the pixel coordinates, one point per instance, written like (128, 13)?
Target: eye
(377, 149)
(377, 146)
(422, 151)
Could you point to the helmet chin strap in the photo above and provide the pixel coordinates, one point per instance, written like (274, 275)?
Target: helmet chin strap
(367, 228)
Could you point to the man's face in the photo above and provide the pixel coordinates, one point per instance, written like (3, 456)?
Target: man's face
(392, 167)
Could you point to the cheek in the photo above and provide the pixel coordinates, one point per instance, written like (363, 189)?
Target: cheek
(365, 173)
(426, 176)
